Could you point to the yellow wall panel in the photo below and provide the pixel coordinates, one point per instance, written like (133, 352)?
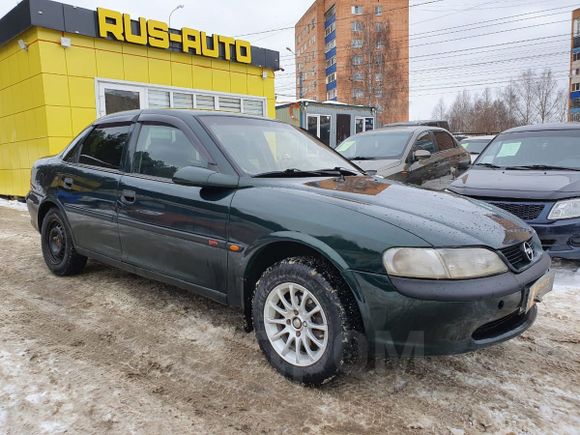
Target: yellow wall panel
(81, 118)
(272, 107)
(80, 61)
(238, 83)
(56, 90)
(109, 64)
(137, 50)
(136, 68)
(201, 61)
(181, 75)
(57, 144)
(48, 35)
(220, 64)
(221, 81)
(160, 72)
(80, 40)
(202, 78)
(255, 85)
(105, 44)
(82, 92)
(58, 121)
(52, 58)
(269, 89)
(157, 53)
(36, 150)
(177, 56)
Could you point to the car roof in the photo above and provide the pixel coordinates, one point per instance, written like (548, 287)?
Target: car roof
(484, 137)
(179, 113)
(545, 127)
(407, 128)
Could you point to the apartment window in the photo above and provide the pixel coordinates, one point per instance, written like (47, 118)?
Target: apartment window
(357, 26)
(576, 71)
(330, 78)
(576, 103)
(357, 43)
(575, 87)
(330, 29)
(379, 45)
(330, 45)
(330, 95)
(379, 77)
(358, 76)
(378, 10)
(576, 56)
(576, 27)
(357, 10)
(330, 13)
(330, 62)
(378, 27)
(358, 93)
(378, 93)
(357, 60)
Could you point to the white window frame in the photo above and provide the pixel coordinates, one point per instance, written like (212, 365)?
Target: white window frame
(357, 9)
(102, 83)
(364, 124)
(318, 116)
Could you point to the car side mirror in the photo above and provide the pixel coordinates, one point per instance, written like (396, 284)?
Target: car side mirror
(204, 177)
(421, 154)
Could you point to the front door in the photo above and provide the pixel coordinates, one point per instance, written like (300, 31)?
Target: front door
(423, 172)
(88, 189)
(178, 231)
(342, 127)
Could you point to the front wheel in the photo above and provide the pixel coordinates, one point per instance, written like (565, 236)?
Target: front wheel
(300, 322)
(57, 246)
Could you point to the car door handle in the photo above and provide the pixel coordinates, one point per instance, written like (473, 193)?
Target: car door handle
(67, 182)
(128, 196)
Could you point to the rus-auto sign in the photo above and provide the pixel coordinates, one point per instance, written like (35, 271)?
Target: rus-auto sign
(157, 34)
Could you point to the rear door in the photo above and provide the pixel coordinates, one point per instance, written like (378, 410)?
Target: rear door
(454, 159)
(89, 187)
(174, 230)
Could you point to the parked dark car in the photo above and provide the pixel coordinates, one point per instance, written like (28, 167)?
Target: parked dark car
(428, 157)
(534, 173)
(319, 257)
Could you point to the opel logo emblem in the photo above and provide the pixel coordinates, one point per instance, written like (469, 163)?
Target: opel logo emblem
(529, 251)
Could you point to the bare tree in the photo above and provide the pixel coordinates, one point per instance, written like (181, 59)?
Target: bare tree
(526, 94)
(547, 97)
(459, 112)
(440, 110)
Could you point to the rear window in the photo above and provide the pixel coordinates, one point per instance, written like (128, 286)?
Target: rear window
(104, 146)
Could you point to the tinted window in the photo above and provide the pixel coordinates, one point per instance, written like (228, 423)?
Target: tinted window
(383, 145)
(444, 140)
(104, 146)
(71, 153)
(425, 142)
(162, 150)
(552, 148)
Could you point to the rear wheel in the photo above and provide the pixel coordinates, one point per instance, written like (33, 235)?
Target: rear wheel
(57, 247)
(300, 321)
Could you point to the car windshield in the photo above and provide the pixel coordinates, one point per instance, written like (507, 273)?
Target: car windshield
(474, 145)
(264, 147)
(542, 150)
(374, 146)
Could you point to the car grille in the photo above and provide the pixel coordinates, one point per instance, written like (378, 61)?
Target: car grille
(516, 256)
(526, 212)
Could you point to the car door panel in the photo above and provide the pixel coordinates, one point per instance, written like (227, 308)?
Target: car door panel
(422, 172)
(179, 231)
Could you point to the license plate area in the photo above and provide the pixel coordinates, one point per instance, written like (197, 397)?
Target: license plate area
(537, 290)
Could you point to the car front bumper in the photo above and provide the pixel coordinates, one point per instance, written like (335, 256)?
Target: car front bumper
(560, 238)
(411, 317)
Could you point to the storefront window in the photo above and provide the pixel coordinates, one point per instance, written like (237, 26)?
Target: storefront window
(117, 100)
(364, 124)
(319, 126)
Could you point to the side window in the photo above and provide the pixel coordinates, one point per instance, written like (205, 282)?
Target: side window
(444, 140)
(72, 151)
(425, 142)
(104, 146)
(162, 150)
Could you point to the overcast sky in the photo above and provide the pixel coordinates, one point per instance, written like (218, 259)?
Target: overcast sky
(444, 58)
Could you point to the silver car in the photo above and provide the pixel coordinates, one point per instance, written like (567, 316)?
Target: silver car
(428, 157)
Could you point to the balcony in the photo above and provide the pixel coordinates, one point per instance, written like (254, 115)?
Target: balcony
(576, 41)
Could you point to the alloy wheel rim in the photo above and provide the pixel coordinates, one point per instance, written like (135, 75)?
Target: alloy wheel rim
(56, 242)
(295, 324)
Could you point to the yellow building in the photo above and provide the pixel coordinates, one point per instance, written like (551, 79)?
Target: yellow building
(61, 67)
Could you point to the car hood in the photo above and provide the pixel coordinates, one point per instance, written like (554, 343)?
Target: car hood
(381, 166)
(533, 185)
(441, 219)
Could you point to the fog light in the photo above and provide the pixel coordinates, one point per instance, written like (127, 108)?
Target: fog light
(574, 241)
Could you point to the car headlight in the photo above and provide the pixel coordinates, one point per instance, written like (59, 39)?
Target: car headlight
(428, 263)
(566, 209)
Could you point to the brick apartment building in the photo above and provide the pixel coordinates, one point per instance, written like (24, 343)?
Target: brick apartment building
(574, 112)
(357, 52)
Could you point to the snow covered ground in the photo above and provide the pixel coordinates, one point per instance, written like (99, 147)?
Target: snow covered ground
(15, 205)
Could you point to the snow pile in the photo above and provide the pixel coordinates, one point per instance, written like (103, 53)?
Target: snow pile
(15, 205)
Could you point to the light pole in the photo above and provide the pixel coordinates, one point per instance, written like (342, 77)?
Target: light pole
(300, 76)
(171, 13)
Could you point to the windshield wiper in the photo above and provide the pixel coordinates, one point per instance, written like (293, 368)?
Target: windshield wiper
(362, 158)
(290, 172)
(543, 167)
(338, 170)
(488, 165)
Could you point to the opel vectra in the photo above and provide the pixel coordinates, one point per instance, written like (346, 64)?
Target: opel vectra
(320, 257)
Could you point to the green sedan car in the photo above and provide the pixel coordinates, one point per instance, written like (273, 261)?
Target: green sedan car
(325, 262)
